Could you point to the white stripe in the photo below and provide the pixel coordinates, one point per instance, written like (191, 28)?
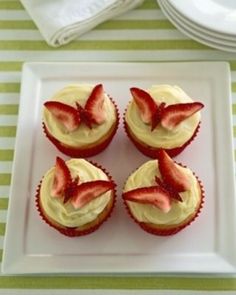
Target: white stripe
(116, 55)
(11, 77)
(4, 191)
(5, 167)
(233, 76)
(9, 98)
(3, 219)
(233, 97)
(8, 120)
(145, 14)
(149, 14)
(101, 35)
(14, 15)
(7, 143)
(234, 120)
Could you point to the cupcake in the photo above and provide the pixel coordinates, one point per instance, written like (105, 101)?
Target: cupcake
(163, 197)
(75, 197)
(80, 120)
(164, 117)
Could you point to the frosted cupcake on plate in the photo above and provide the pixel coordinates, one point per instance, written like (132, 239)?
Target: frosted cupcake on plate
(80, 120)
(163, 197)
(163, 117)
(75, 197)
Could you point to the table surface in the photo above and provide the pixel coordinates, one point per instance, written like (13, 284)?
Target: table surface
(141, 35)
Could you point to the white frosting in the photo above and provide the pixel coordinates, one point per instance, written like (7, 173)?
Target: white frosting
(66, 214)
(82, 136)
(144, 176)
(160, 137)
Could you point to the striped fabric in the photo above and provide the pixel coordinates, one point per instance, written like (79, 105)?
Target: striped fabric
(141, 35)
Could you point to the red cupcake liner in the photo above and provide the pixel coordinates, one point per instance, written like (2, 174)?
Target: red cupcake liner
(175, 229)
(86, 152)
(152, 152)
(74, 231)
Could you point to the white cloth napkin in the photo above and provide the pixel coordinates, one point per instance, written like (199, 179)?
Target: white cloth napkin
(61, 21)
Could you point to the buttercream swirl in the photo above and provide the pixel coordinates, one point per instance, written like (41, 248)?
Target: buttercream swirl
(66, 214)
(144, 176)
(83, 135)
(160, 137)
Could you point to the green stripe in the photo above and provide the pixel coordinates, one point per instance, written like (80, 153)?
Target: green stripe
(234, 109)
(5, 179)
(9, 87)
(2, 229)
(232, 65)
(149, 4)
(135, 25)
(17, 24)
(140, 283)
(8, 109)
(6, 155)
(11, 5)
(3, 203)
(234, 131)
(106, 45)
(7, 131)
(109, 25)
(10, 66)
(1, 251)
(233, 86)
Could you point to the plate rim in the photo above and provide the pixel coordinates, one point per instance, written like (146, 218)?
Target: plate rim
(179, 7)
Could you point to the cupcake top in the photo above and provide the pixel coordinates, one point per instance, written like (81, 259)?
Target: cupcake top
(75, 192)
(79, 114)
(167, 195)
(163, 117)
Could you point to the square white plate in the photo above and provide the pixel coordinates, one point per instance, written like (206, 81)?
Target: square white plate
(120, 246)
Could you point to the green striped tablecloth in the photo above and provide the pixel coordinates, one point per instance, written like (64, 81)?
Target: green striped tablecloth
(141, 35)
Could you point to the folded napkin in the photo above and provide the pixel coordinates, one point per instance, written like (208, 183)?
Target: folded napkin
(61, 21)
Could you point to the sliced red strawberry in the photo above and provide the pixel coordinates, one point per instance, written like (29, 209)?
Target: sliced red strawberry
(88, 191)
(174, 114)
(147, 106)
(94, 105)
(173, 194)
(69, 191)
(156, 118)
(62, 178)
(84, 115)
(171, 173)
(66, 114)
(153, 195)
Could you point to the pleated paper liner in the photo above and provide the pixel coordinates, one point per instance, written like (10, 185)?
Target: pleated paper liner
(85, 152)
(175, 228)
(87, 228)
(151, 151)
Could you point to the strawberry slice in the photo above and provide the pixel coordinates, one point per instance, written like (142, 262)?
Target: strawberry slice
(156, 118)
(94, 105)
(69, 191)
(153, 195)
(171, 174)
(66, 114)
(174, 114)
(173, 194)
(88, 191)
(62, 178)
(147, 106)
(84, 115)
